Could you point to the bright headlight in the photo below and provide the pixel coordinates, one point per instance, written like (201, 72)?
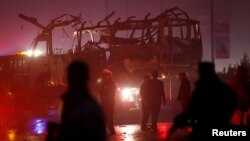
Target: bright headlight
(129, 94)
(31, 53)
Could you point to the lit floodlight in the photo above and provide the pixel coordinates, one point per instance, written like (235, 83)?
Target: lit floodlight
(37, 53)
(163, 76)
(126, 93)
(29, 53)
(74, 33)
(32, 53)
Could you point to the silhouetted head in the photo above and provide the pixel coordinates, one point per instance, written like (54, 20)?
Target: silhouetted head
(106, 73)
(146, 77)
(78, 75)
(206, 70)
(155, 74)
(182, 75)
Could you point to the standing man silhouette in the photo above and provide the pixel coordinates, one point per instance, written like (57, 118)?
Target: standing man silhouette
(184, 91)
(145, 103)
(107, 94)
(155, 90)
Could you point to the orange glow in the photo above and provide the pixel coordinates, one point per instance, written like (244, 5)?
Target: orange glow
(11, 135)
(21, 53)
(9, 93)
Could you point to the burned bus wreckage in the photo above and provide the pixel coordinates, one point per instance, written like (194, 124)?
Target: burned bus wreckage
(131, 48)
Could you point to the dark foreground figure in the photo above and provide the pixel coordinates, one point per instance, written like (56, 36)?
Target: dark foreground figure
(82, 117)
(211, 107)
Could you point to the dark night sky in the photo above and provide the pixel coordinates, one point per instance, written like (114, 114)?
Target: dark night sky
(14, 38)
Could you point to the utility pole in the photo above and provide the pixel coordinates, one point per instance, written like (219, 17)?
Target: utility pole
(212, 29)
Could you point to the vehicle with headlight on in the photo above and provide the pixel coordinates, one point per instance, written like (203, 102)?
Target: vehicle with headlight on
(127, 104)
(130, 97)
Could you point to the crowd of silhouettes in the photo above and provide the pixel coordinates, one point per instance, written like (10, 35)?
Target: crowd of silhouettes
(212, 104)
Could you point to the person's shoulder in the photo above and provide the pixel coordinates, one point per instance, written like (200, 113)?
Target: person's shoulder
(65, 96)
(225, 85)
(160, 81)
(91, 100)
(111, 81)
(144, 83)
(187, 80)
(227, 88)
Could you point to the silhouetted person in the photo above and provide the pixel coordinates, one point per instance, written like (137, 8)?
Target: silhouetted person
(241, 85)
(145, 103)
(82, 117)
(156, 96)
(184, 91)
(211, 106)
(107, 94)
